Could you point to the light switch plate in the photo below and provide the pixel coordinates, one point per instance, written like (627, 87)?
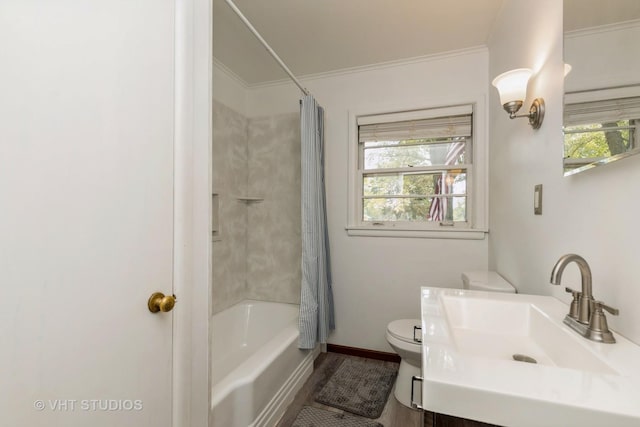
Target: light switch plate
(537, 199)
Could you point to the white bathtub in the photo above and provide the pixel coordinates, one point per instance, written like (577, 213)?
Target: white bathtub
(257, 367)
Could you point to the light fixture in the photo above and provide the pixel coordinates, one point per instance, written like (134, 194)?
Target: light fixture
(567, 69)
(512, 87)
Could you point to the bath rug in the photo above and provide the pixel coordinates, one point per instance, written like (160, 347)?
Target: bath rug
(315, 417)
(359, 387)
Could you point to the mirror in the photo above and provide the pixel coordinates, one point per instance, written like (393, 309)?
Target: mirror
(602, 88)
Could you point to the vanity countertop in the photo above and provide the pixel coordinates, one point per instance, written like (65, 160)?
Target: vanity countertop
(469, 339)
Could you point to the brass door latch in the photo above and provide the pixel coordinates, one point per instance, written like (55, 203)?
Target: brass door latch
(161, 302)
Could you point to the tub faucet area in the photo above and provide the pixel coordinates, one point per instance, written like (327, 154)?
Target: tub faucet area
(586, 315)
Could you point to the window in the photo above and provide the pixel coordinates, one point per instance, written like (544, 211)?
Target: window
(414, 171)
(597, 129)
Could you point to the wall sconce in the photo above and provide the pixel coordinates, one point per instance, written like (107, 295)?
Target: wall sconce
(512, 87)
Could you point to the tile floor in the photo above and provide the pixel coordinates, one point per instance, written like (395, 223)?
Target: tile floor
(394, 414)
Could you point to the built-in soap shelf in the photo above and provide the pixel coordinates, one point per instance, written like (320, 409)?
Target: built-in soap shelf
(215, 212)
(250, 199)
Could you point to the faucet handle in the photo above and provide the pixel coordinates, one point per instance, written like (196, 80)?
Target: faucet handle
(573, 309)
(598, 329)
(599, 305)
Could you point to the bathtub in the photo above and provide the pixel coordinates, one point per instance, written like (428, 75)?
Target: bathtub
(257, 367)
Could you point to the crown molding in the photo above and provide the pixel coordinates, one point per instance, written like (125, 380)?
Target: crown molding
(230, 73)
(374, 67)
(618, 26)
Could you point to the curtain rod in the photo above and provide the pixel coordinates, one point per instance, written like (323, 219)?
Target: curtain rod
(266, 45)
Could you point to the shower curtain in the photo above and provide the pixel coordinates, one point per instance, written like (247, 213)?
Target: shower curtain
(316, 296)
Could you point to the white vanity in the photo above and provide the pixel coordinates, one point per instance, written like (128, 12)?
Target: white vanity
(476, 363)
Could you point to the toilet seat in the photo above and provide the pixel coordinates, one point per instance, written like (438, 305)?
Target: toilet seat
(403, 330)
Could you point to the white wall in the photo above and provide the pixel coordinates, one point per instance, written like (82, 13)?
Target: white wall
(228, 89)
(603, 57)
(593, 214)
(377, 279)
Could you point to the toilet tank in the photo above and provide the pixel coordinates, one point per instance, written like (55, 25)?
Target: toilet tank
(483, 280)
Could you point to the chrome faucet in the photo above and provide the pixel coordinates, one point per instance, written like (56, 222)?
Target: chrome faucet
(586, 315)
(585, 298)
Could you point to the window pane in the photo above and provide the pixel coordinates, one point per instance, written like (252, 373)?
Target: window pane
(455, 182)
(400, 184)
(416, 184)
(597, 140)
(395, 209)
(409, 153)
(459, 209)
(415, 209)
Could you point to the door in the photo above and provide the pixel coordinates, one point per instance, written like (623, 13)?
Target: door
(86, 211)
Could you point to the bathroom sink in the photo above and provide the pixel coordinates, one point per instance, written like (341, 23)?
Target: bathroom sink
(491, 328)
(479, 350)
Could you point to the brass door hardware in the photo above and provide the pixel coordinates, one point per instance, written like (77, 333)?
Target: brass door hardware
(161, 302)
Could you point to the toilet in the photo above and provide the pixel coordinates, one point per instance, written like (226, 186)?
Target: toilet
(400, 333)
(483, 280)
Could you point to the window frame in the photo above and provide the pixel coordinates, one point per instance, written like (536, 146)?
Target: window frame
(477, 177)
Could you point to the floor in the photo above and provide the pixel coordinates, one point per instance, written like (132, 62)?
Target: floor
(394, 414)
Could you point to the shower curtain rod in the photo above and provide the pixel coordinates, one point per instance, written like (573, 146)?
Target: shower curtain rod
(266, 45)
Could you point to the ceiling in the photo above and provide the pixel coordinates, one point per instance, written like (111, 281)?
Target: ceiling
(314, 36)
(579, 14)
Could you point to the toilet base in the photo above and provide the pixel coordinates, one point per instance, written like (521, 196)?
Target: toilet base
(402, 391)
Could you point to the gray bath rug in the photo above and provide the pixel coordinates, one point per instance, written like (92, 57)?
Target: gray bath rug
(315, 417)
(359, 387)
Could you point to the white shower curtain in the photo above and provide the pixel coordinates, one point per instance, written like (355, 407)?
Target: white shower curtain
(316, 297)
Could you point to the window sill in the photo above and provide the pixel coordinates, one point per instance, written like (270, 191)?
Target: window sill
(461, 234)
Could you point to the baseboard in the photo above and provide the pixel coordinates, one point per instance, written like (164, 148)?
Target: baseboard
(363, 352)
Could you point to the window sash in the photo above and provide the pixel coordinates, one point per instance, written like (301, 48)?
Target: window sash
(454, 147)
(413, 196)
(465, 168)
(415, 169)
(449, 195)
(446, 209)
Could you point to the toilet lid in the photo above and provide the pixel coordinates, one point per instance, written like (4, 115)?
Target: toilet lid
(403, 329)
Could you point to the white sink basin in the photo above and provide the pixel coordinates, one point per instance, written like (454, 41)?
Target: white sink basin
(484, 327)
(469, 342)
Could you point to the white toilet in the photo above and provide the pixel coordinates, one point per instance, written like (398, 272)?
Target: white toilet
(400, 333)
(483, 280)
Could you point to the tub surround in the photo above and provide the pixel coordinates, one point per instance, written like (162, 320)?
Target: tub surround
(257, 253)
(273, 238)
(229, 180)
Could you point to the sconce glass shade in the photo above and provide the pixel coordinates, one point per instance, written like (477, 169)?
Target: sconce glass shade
(512, 85)
(567, 69)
